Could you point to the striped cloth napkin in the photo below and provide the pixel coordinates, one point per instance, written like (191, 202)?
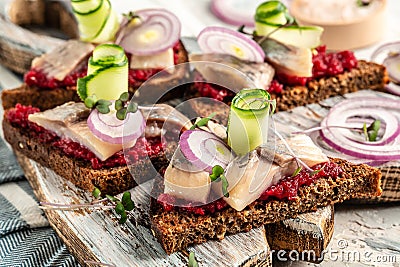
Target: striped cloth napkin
(26, 239)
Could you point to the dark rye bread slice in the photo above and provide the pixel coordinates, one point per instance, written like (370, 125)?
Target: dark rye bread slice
(49, 98)
(367, 75)
(110, 181)
(176, 230)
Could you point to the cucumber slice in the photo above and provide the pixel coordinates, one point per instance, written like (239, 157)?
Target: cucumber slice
(248, 120)
(108, 53)
(86, 7)
(109, 29)
(273, 19)
(273, 12)
(97, 22)
(107, 83)
(300, 36)
(107, 73)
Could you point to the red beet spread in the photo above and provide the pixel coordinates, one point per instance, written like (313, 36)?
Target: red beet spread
(324, 65)
(18, 117)
(37, 78)
(287, 188)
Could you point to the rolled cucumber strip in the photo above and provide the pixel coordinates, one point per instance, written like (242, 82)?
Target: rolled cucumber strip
(107, 74)
(97, 22)
(273, 19)
(249, 120)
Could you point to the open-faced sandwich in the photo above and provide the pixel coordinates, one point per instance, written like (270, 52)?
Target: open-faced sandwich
(52, 79)
(85, 142)
(305, 72)
(221, 182)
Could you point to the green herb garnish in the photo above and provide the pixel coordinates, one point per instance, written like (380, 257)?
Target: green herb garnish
(362, 3)
(371, 132)
(297, 171)
(121, 105)
(121, 206)
(217, 175)
(192, 260)
(96, 192)
(203, 121)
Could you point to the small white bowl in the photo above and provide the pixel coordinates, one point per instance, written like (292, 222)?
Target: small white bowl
(347, 34)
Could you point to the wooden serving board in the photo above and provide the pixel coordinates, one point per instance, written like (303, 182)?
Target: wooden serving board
(96, 236)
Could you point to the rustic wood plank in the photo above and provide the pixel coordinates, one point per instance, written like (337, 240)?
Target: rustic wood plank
(309, 234)
(97, 236)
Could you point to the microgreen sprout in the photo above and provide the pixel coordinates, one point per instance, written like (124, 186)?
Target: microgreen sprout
(131, 15)
(192, 260)
(96, 193)
(121, 105)
(297, 171)
(121, 206)
(217, 175)
(203, 121)
(370, 132)
(362, 3)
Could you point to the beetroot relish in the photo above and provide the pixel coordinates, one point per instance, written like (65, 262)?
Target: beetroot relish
(287, 188)
(169, 203)
(37, 78)
(211, 90)
(18, 117)
(324, 65)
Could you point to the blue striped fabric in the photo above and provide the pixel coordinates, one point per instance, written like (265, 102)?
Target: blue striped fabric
(25, 236)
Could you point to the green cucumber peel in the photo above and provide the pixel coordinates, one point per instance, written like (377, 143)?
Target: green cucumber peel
(203, 121)
(259, 104)
(248, 120)
(93, 22)
(83, 13)
(273, 18)
(108, 53)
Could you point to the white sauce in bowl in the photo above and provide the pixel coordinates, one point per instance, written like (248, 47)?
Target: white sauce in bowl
(327, 11)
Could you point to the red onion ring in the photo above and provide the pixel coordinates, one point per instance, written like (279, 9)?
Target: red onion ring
(110, 129)
(389, 56)
(221, 40)
(393, 88)
(161, 22)
(388, 148)
(194, 146)
(331, 152)
(235, 12)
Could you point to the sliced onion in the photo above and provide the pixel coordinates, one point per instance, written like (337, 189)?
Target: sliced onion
(333, 153)
(389, 56)
(204, 149)
(386, 149)
(235, 12)
(109, 128)
(393, 88)
(159, 30)
(220, 40)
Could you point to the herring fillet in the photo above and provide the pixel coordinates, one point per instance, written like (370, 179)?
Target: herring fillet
(288, 59)
(251, 175)
(242, 74)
